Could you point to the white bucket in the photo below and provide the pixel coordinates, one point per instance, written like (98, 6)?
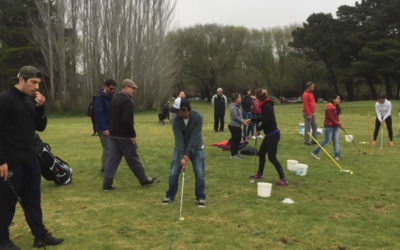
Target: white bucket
(301, 128)
(319, 131)
(348, 138)
(301, 169)
(291, 165)
(264, 189)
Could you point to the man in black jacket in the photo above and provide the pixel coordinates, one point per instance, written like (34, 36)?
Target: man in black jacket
(219, 102)
(123, 138)
(21, 113)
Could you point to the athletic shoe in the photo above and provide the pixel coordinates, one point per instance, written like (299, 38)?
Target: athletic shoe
(253, 137)
(150, 180)
(256, 176)
(315, 156)
(373, 143)
(105, 189)
(48, 240)
(260, 136)
(313, 142)
(235, 157)
(201, 203)
(282, 182)
(94, 134)
(391, 143)
(166, 201)
(308, 144)
(337, 158)
(8, 245)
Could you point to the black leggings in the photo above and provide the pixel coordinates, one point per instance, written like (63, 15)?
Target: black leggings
(388, 123)
(236, 133)
(270, 145)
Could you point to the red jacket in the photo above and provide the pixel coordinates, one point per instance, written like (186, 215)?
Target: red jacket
(331, 116)
(308, 102)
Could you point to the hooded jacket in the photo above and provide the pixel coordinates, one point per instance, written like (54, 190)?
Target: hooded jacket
(331, 116)
(268, 120)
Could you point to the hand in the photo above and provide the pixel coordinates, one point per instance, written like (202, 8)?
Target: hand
(4, 171)
(256, 133)
(106, 132)
(39, 99)
(133, 140)
(382, 122)
(183, 163)
(309, 117)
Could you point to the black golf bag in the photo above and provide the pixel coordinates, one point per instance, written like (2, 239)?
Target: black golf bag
(53, 168)
(164, 113)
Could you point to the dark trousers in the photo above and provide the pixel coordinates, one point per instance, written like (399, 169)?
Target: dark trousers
(119, 147)
(270, 145)
(219, 120)
(26, 182)
(388, 123)
(236, 133)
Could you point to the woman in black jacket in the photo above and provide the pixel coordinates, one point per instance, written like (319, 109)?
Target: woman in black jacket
(272, 136)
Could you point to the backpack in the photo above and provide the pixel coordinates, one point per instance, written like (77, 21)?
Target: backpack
(53, 168)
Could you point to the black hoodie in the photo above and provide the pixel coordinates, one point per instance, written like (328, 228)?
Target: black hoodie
(267, 117)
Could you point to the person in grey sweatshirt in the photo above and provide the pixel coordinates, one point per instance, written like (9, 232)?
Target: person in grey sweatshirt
(383, 109)
(235, 124)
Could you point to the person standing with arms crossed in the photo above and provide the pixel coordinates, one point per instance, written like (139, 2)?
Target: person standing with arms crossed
(235, 125)
(309, 113)
(219, 102)
(22, 113)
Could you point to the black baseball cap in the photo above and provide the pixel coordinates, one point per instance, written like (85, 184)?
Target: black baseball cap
(180, 104)
(29, 72)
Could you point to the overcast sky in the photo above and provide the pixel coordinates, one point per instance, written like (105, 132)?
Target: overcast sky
(252, 13)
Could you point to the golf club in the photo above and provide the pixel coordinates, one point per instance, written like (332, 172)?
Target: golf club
(255, 159)
(369, 133)
(146, 167)
(381, 138)
(351, 139)
(183, 184)
(330, 157)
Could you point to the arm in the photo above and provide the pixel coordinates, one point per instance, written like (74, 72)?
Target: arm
(236, 115)
(226, 100)
(212, 100)
(3, 157)
(127, 117)
(388, 111)
(40, 118)
(195, 137)
(330, 115)
(179, 139)
(378, 115)
(306, 104)
(99, 120)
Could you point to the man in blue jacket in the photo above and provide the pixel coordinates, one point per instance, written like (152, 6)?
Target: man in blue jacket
(187, 128)
(101, 107)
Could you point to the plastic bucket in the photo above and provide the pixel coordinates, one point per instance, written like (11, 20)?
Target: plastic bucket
(301, 169)
(264, 189)
(291, 165)
(301, 128)
(348, 138)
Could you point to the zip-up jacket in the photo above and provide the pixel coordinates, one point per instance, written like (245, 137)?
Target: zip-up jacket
(121, 116)
(219, 102)
(188, 137)
(268, 120)
(384, 110)
(19, 119)
(236, 116)
(308, 102)
(246, 103)
(331, 116)
(101, 106)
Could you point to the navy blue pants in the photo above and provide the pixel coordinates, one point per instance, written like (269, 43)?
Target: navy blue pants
(26, 181)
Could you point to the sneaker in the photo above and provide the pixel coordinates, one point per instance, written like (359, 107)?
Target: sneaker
(256, 176)
(260, 136)
(48, 240)
(105, 189)
(282, 182)
(337, 158)
(253, 137)
(166, 201)
(8, 245)
(373, 142)
(235, 157)
(314, 143)
(308, 144)
(150, 180)
(315, 156)
(94, 134)
(201, 203)
(391, 144)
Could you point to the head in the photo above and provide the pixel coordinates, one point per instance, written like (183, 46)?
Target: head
(181, 94)
(247, 92)
(181, 107)
(335, 100)
(109, 86)
(381, 98)
(29, 79)
(129, 87)
(310, 86)
(236, 98)
(261, 94)
(219, 91)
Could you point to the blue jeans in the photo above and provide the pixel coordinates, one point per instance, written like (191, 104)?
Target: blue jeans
(197, 159)
(330, 132)
(246, 128)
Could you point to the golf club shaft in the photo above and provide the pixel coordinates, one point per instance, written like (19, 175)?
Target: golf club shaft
(144, 161)
(381, 138)
(351, 139)
(326, 152)
(183, 184)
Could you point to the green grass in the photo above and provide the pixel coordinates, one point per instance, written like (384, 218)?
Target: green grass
(331, 210)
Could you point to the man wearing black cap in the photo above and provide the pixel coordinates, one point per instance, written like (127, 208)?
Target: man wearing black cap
(21, 114)
(123, 138)
(187, 128)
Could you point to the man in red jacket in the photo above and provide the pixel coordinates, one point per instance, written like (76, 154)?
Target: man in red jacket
(309, 113)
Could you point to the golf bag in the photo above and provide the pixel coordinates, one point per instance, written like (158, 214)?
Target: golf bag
(248, 150)
(53, 168)
(164, 113)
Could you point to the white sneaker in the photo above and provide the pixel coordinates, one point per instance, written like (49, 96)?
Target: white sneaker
(235, 157)
(315, 156)
(337, 158)
(260, 136)
(253, 137)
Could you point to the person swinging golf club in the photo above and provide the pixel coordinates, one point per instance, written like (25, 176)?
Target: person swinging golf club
(331, 127)
(187, 127)
(383, 108)
(22, 112)
(272, 136)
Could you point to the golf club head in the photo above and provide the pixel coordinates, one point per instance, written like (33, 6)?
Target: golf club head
(347, 171)
(10, 174)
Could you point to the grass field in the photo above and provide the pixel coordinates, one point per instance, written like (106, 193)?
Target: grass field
(331, 210)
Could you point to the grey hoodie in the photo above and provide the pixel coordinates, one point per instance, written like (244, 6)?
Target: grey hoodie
(236, 116)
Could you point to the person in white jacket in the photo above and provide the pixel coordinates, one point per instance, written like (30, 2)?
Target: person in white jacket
(383, 109)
